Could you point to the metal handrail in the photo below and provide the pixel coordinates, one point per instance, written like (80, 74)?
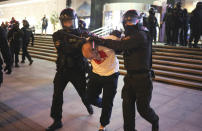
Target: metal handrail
(96, 30)
(105, 30)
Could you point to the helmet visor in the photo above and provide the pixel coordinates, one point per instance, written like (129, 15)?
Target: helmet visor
(70, 23)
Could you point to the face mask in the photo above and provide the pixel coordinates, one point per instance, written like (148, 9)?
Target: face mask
(131, 30)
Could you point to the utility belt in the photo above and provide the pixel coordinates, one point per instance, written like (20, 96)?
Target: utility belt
(70, 62)
(141, 72)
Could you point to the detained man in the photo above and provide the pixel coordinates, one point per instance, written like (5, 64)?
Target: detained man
(103, 78)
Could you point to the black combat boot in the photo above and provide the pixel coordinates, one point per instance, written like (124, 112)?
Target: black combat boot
(17, 65)
(155, 126)
(30, 62)
(56, 125)
(89, 109)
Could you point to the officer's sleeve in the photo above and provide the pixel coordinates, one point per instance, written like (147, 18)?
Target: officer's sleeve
(165, 17)
(32, 35)
(133, 42)
(61, 44)
(4, 48)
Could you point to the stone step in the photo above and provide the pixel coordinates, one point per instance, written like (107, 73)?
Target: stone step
(173, 69)
(175, 59)
(177, 47)
(177, 69)
(43, 47)
(198, 57)
(178, 51)
(43, 41)
(178, 64)
(173, 64)
(43, 53)
(53, 59)
(181, 76)
(173, 81)
(42, 50)
(182, 83)
(44, 44)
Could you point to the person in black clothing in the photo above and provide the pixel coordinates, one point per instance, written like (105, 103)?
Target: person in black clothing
(184, 30)
(26, 40)
(82, 25)
(5, 52)
(137, 47)
(152, 24)
(178, 22)
(15, 36)
(70, 65)
(169, 24)
(196, 25)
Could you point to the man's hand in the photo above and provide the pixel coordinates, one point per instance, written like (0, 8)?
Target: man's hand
(57, 43)
(126, 38)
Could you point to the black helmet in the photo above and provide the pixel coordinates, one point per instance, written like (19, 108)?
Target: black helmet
(16, 25)
(199, 5)
(151, 11)
(69, 14)
(178, 5)
(169, 8)
(116, 33)
(82, 24)
(132, 17)
(25, 23)
(185, 12)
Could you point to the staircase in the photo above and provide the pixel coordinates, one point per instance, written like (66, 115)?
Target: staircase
(180, 66)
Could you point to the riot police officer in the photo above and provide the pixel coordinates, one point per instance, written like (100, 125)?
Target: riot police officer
(152, 24)
(178, 22)
(26, 39)
(195, 25)
(70, 65)
(184, 30)
(5, 51)
(169, 24)
(82, 25)
(15, 37)
(137, 47)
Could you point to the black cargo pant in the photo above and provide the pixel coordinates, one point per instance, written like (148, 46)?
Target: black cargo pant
(25, 53)
(1, 72)
(137, 89)
(175, 35)
(77, 78)
(183, 36)
(168, 34)
(15, 50)
(195, 35)
(109, 86)
(153, 33)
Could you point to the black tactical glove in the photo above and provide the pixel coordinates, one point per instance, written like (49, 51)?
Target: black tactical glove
(8, 69)
(152, 74)
(96, 39)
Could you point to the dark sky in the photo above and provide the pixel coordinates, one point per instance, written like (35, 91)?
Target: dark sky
(3, 0)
